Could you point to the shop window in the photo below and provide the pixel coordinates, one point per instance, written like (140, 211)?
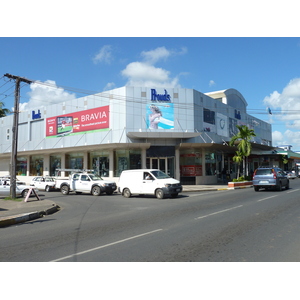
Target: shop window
(55, 163)
(74, 161)
(21, 167)
(36, 165)
(99, 162)
(126, 160)
(190, 164)
(210, 164)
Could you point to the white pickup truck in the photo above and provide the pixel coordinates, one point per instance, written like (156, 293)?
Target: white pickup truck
(85, 183)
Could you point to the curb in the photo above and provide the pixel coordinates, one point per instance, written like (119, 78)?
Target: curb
(21, 218)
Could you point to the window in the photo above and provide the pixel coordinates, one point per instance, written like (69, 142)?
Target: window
(208, 116)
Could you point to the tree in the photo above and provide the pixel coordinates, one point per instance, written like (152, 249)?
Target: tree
(238, 158)
(3, 111)
(243, 138)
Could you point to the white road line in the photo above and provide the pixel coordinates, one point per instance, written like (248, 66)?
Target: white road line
(104, 246)
(266, 198)
(218, 212)
(292, 191)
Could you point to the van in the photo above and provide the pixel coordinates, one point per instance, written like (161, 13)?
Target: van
(148, 182)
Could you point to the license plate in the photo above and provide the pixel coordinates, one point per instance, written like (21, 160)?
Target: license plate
(264, 181)
(177, 190)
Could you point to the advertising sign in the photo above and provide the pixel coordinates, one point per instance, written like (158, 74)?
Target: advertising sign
(95, 119)
(160, 116)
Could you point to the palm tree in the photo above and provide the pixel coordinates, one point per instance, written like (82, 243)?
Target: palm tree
(238, 158)
(3, 111)
(243, 137)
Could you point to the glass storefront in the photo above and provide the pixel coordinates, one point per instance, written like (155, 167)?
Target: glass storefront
(36, 165)
(126, 160)
(99, 162)
(21, 167)
(74, 161)
(55, 163)
(210, 163)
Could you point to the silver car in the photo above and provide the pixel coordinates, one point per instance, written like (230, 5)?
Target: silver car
(21, 190)
(270, 178)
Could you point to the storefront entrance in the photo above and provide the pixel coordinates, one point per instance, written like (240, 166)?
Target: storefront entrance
(165, 164)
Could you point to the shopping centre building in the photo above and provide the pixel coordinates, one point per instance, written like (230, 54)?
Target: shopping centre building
(181, 131)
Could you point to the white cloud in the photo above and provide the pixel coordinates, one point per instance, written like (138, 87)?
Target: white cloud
(211, 83)
(104, 55)
(144, 73)
(46, 93)
(287, 106)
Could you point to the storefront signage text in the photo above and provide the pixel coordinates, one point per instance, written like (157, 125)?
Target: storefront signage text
(36, 115)
(160, 97)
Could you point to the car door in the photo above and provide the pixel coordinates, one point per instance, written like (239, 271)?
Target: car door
(83, 183)
(148, 183)
(283, 178)
(4, 189)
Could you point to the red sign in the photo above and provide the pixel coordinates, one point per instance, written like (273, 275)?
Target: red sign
(82, 121)
(191, 170)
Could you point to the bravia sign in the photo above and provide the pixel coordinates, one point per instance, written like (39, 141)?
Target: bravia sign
(95, 119)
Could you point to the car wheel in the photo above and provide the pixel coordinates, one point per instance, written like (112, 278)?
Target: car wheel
(24, 193)
(287, 186)
(126, 193)
(279, 187)
(256, 188)
(47, 188)
(64, 190)
(159, 194)
(96, 191)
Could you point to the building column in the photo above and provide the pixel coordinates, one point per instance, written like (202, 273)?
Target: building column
(63, 164)
(85, 160)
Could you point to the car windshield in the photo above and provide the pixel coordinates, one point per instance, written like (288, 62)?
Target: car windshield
(264, 172)
(160, 175)
(95, 177)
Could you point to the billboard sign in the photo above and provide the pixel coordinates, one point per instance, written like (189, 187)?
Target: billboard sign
(94, 119)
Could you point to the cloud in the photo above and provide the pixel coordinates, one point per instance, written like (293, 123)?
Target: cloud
(211, 83)
(46, 93)
(104, 55)
(287, 104)
(144, 73)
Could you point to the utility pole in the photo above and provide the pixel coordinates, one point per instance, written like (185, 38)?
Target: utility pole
(14, 150)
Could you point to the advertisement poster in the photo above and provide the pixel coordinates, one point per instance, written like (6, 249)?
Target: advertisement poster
(160, 116)
(78, 122)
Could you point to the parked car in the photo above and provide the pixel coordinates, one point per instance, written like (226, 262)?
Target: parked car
(44, 183)
(290, 175)
(21, 189)
(270, 178)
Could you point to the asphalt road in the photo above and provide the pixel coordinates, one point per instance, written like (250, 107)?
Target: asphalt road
(221, 226)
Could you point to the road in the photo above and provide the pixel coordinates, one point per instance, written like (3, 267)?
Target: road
(221, 226)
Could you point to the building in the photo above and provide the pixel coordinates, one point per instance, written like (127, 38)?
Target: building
(181, 131)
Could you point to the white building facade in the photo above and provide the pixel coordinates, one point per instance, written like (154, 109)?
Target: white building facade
(183, 132)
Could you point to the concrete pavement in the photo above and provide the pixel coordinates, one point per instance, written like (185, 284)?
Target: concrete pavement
(14, 212)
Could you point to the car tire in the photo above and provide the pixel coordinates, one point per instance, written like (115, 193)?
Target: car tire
(287, 186)
(96, 191)
(47, 188)
(64, 189)
(159, 193)
(24, 193)
(126, 193)
(279, 187)
(256, 188)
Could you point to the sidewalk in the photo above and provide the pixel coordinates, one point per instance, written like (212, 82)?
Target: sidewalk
(14, 212)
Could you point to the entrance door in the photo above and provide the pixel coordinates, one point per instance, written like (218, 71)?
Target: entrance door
(165, 164)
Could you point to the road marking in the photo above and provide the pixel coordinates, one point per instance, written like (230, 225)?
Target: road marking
(107, 245)
(266, 198)
(292, 191)
(218, 212)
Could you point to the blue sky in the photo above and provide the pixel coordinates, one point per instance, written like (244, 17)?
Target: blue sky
(265, 70)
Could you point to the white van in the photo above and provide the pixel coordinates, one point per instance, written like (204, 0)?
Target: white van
(148, 182)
